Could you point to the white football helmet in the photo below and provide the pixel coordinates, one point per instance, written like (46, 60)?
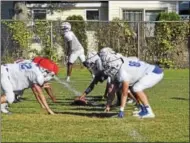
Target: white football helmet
(66, 26)
(93, 62)
(106, 50)
(111, 62)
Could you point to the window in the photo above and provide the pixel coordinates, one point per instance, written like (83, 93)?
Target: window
(133, 16)
(39, 14)
(151, 15)
(92, 14)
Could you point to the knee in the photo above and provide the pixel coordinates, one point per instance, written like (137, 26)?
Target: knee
(136, 88)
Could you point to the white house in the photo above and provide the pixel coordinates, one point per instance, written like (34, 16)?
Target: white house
(104, 10)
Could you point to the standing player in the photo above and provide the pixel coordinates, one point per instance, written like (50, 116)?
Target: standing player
(135, 73)
(74, 48)
(20, 76)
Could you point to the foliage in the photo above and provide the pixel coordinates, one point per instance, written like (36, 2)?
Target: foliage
(118, 35)
(43, 31)
(78, 26)
(20, 35)
(168, 36)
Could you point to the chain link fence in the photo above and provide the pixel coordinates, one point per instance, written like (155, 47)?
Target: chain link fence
(29, 38)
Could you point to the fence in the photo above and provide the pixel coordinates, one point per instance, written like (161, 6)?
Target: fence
(154, 42)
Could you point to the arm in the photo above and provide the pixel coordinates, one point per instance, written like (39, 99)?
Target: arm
(49, 91)
(111, 89)
(42, 98)
(89, 89)
(37, 97)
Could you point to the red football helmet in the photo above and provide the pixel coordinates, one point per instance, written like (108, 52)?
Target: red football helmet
(46, 64)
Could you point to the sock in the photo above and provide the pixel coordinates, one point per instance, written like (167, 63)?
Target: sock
(68, 77)
(149, 109)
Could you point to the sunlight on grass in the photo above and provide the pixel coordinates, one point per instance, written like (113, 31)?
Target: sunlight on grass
(169, 100)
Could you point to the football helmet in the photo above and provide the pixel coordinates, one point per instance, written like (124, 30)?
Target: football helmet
(105, 51)
(47, 67)
(93, 62)
(111, 61)
(66, 26)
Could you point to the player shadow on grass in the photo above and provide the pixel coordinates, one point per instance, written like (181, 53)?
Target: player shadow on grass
(98, 115)
(179, 98)
(87, 109)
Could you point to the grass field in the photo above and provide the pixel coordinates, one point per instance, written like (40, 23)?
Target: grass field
(169, 100)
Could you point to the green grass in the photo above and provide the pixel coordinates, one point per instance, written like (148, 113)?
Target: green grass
(169, 100)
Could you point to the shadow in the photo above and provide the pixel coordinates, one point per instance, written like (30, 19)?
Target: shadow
(89, 104)
(87, 109)
(179, 98)
(98, 115)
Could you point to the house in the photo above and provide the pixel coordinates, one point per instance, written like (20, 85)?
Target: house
(100, 11)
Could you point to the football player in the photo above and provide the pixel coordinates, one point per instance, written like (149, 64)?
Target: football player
(74, 49)
(23, 75)
(94, 65)
(46, 86)
(135, 73)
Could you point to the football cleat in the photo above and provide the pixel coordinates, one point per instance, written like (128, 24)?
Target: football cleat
(4, 108)
(147, 115)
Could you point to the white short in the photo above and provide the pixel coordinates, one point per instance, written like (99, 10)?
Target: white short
(147, 81)
(6, 85)
(74, 55)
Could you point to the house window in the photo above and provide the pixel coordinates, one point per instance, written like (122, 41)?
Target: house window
(132, 16)
(92, 14)
(151, 15)
(39, 14)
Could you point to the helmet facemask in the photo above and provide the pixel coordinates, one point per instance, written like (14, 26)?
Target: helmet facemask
(48, 75)
(92, 62)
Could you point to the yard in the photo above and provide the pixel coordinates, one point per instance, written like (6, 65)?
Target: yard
(169, 100)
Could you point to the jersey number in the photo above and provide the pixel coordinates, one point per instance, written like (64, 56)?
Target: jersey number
(25, 66)
(134, 64)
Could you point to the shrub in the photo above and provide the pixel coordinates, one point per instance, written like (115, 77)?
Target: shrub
(169, 35)
(117, 35)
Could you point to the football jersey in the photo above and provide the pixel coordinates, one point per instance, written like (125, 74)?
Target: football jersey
(23, 74)
(132, 70)
(70, 36)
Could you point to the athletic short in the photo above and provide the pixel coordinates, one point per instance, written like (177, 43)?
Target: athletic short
(149, 80)
(6, 85)
(77, 54)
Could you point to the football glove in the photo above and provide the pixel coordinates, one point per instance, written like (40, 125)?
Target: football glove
(121, 114)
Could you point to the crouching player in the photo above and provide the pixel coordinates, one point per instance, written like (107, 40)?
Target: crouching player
(20, 76)
(46, 86)
(135, 73)
(94, 65)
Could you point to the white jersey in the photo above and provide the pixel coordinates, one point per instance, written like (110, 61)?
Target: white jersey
(133, 70)
(70, 36)
(23, 74)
